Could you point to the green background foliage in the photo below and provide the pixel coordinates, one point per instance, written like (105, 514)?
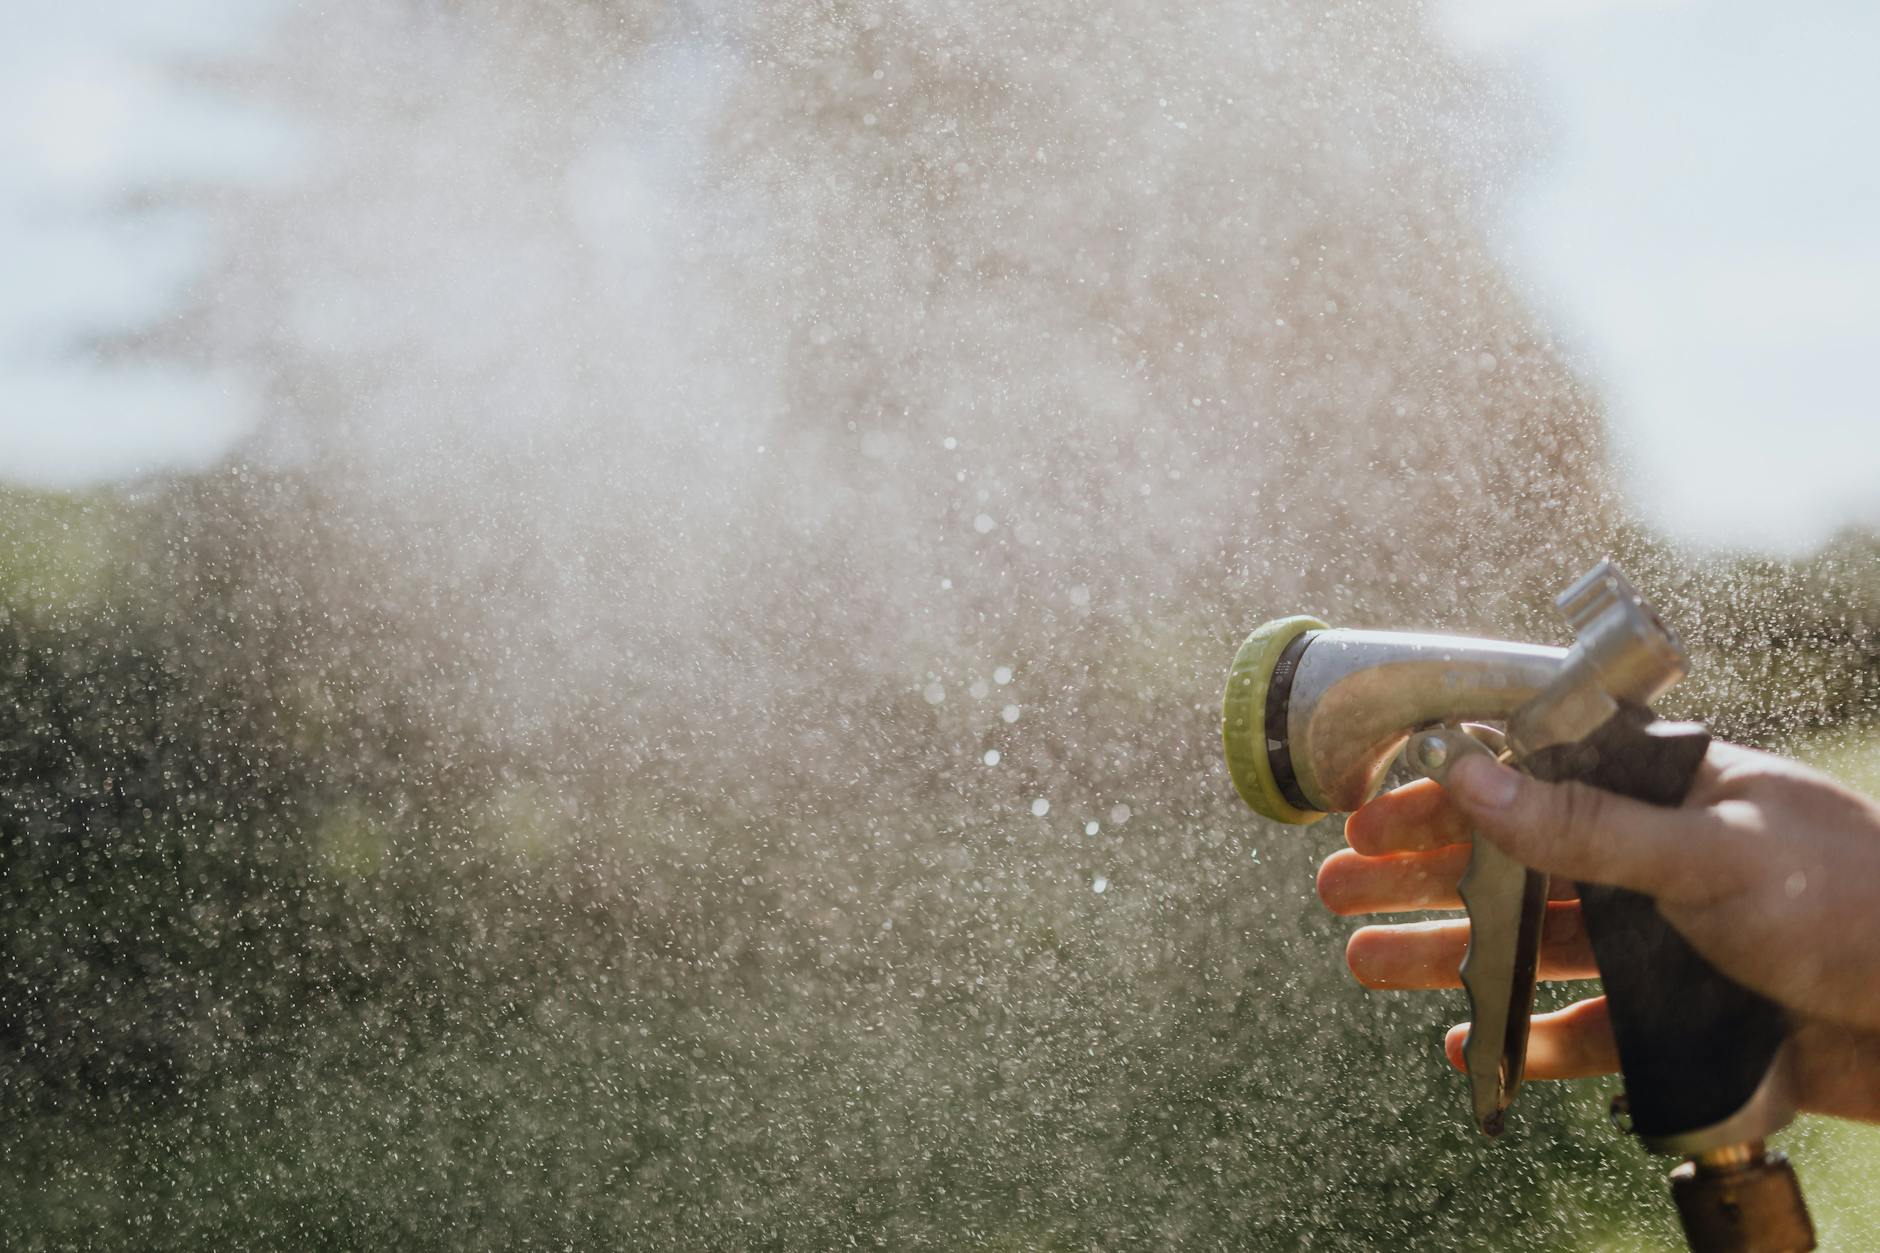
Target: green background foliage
(287, 964)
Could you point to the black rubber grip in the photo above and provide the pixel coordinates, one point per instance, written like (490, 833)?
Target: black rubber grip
(1694, 1045)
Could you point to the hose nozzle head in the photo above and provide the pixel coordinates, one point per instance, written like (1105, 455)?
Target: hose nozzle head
(1313, 716)
(1249, 742)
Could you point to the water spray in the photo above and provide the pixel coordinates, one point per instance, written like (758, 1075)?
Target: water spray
(1315, 717)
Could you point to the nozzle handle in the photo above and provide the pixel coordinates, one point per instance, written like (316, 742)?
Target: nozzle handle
(1702, 1055)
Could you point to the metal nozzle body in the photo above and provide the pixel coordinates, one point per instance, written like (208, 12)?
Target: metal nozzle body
(1357, 695)
(1623, 652)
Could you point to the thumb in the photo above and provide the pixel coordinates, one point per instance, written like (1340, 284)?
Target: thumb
(1575, 830)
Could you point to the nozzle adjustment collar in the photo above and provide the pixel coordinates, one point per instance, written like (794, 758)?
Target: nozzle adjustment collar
(1253, 735)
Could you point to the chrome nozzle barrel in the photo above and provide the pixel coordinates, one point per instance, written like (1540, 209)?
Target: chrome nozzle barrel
(1314, 716)
(1357, 696)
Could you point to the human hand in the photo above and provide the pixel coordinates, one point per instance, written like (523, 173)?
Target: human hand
(1770, 869)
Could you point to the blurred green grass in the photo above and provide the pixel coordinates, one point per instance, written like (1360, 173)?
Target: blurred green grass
(58, 550)
(1839, 1162)
(262, 996)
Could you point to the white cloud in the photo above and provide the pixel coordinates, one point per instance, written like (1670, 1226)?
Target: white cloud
(78, 424)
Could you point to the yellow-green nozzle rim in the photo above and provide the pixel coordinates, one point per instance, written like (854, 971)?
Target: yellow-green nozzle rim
(1243, 718)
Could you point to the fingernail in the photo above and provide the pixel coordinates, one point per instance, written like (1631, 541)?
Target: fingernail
(1484, 784)
(1453, 1040)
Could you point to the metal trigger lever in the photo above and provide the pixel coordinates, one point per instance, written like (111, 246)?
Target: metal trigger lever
(1506, 904)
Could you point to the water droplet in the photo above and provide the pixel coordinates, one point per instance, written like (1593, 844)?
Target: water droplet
(992, 757)
(1092, 827)
(1040, 807)
(983, 523)
(1099, 885)
(935, 693)
(978, 689)
(1119, 814)
(1002, 675)
(1080, 595)
(949, 443)
(1795, 884)
(1009, 713)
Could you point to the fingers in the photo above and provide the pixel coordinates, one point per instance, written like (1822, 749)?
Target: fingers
(1350, 883)
(1414, 818)
(1569, 1044)
(1573, 830)
(1422, 955)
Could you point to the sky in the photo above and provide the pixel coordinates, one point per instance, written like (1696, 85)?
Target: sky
(87, 115)
(1700, 232)
(1704, 234)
